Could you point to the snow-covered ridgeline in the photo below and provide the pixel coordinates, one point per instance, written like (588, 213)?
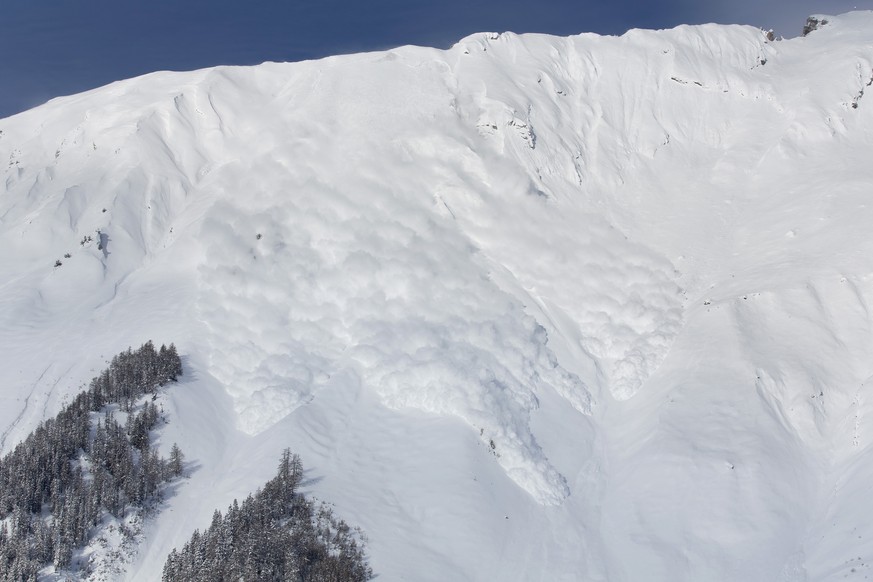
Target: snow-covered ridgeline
(621, 263)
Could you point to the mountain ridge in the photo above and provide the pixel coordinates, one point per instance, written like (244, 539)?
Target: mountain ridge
(558, 255)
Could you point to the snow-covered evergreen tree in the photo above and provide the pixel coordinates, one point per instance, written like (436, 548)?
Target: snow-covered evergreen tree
(60, 466)
(276, 534)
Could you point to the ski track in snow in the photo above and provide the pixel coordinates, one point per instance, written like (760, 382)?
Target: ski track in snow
(586, 308)
(24, 406)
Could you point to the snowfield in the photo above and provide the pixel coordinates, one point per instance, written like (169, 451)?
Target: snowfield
(530, 308)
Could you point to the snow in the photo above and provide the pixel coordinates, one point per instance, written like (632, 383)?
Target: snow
(531, 308)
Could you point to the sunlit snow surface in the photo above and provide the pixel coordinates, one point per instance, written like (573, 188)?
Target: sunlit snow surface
(532, 308)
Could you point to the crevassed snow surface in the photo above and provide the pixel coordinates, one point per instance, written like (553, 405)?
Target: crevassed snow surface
(532, 308)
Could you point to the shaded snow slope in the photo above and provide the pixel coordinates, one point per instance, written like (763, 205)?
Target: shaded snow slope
(532, 308)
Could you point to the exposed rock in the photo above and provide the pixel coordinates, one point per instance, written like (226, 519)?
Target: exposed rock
(813, 23)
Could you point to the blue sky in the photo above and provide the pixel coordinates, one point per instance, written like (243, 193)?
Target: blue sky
(67, 46)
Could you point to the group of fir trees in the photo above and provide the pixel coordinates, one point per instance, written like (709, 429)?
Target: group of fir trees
(274, 535)
(71, 471)
(132, 374)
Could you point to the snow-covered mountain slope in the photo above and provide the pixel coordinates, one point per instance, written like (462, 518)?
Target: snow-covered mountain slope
(532, 308)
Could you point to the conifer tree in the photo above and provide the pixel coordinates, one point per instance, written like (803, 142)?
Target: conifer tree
(176, 460)
(275, 534)
(122, 471)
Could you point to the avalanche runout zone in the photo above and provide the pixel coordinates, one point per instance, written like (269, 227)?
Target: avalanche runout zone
(322, 293)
